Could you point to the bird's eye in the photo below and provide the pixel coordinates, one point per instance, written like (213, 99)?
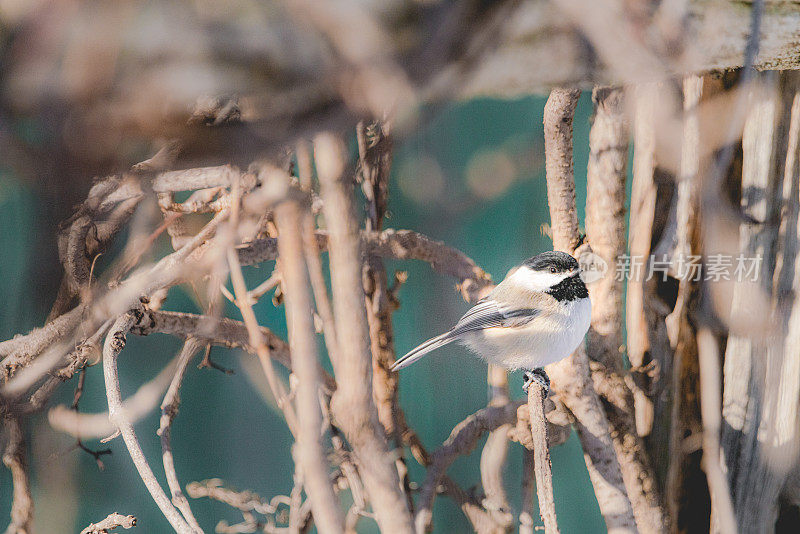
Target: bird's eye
(553, 270)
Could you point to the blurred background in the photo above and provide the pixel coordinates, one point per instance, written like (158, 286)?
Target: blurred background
(472, 175)
(89, 88)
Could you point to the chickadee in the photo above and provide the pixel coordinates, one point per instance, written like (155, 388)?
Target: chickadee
(537, 316)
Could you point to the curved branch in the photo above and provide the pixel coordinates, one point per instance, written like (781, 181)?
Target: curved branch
(99, 425)
(468, 502)
(495, 452)
(463, 439)
(394, 244)
(115, 342)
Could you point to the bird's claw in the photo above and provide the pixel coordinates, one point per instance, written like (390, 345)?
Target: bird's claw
(539, 377)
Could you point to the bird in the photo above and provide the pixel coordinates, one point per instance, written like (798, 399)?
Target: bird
(536, 316)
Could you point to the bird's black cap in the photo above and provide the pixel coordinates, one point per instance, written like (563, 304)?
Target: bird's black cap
(545, 261)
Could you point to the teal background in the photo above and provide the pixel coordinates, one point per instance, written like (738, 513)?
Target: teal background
(471, 175)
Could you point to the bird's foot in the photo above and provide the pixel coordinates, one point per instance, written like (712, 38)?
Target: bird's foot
(539, 377)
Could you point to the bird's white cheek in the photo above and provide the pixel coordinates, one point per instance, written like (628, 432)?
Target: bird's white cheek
(534, 280)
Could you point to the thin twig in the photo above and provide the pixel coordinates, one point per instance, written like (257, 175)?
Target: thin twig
(541, 459)
(115, 342)
(99, 425)
(169, 409)
(111, 522)
(264, 287)
(98, 454)
(528, 489)
(256, 340)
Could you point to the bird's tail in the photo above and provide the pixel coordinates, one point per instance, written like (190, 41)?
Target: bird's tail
(422, 350)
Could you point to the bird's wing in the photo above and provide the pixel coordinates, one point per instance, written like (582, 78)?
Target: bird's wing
(487, 313)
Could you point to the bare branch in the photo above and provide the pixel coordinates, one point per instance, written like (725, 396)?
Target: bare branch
(757, 363)
(405, 244)
(463, 439)
(193, 179)
(571, 376)
(99, 425)
(526, 498)
(395, 244)
(310, 455)
(541, 459)
(559, 112)
(15, 458)
(110, 523)
(605, 220)
(169, 410)
(115, 342)
(219, 331)
(256, 338)
(475, 512)
(643, 205)
(353, 404)
(708, 355)
(495, 451)
(605, 229)
(21, 349)
(249, 503)
(167, 272)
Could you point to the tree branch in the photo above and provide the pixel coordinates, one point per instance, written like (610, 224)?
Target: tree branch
(110, 523)
(115, 342)
(605, 229)
(571, 376)
(353, 404)
(310, 455)
(463, 439)
(99, 425)
(495, 451)
(395, 244)
(169, 410)
(15, 458)
(541, 459)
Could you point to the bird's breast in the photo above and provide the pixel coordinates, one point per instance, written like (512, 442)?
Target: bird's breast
(549, 338)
